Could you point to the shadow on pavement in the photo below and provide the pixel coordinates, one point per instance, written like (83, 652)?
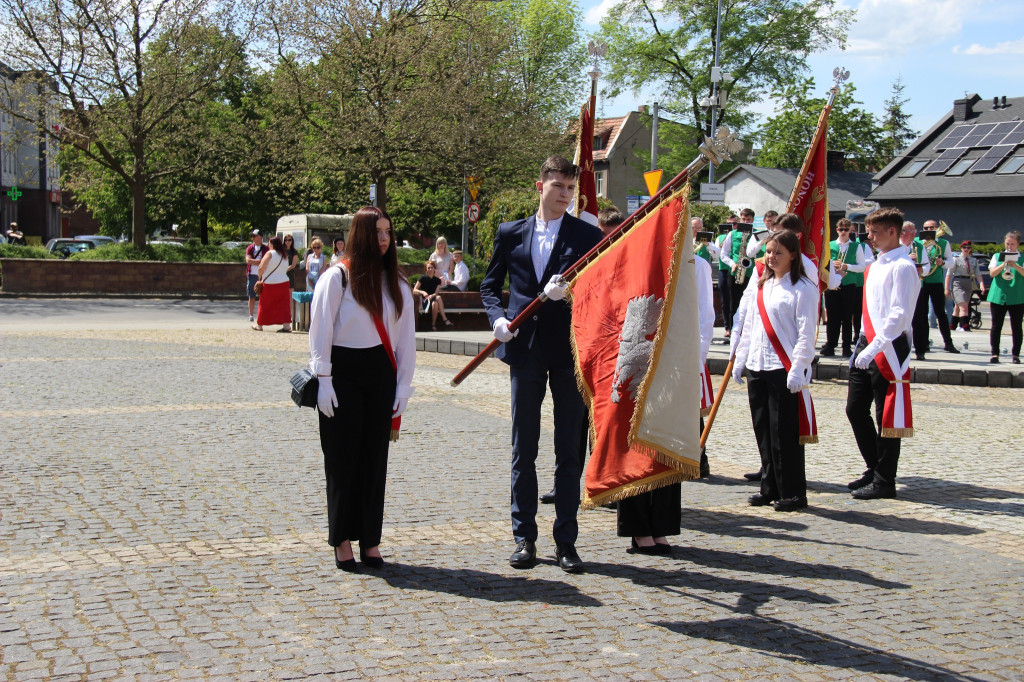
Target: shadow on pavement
(472, 584)
(785, 640)
(965, 497)
(900, 524)
(752, 593)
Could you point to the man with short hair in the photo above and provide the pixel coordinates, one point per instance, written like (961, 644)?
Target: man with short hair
(15, 236)
(532, 253)
(253, 254)
(880, 370)
(932, 289)
(460, 274)
(843, 297)
(728, 266)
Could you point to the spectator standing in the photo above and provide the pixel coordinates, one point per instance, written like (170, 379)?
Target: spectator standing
(275, 305)
(960, 278)
(15, 236)
(295, 278)
(253, 255)
(1006, 295)
(314, 263)
(443, 259)
(339, 250)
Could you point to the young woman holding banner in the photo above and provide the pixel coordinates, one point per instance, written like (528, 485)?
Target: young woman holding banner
(776, 348)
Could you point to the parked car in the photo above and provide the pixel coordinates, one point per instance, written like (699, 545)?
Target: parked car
(235, 245)
(170, 242)
(68, 247)
(97, 240)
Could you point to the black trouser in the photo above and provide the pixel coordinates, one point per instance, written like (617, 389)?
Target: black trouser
(654, 513)
(998, 315)
(737, 293)
(881, 455)
(775, 413)
(844, 307)
(725, 281)
(355, 444)
(937, 293)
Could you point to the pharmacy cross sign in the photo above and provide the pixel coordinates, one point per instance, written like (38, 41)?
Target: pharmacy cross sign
(14, 193)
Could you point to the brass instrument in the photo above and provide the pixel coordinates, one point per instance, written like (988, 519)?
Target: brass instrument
(1008, 272)
(928, 238)
(745, 263)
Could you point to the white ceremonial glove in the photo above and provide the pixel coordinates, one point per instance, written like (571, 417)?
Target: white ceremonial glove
(864, 358)
(555, 288)
(326, 400)
(795, 380)
(501, 331)
(399, 407)
(737, 374)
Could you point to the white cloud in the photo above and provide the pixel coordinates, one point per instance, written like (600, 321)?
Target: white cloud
(595, 14)
(887, 27)
(1008, 47)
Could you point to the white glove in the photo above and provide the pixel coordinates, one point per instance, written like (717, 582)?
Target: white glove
(555, 288)
(399, 407)
(795, 380)
(864, 358)
(501, 331)
(737, 373)
(326, 400)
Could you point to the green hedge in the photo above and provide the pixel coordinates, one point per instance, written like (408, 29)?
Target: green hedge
(11, 251)
(189, 252)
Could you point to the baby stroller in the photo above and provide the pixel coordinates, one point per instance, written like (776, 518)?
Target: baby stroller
(974, 310)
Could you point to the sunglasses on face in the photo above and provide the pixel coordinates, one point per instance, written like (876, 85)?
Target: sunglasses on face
(842, 229)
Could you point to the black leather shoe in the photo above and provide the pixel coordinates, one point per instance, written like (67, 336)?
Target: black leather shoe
(663, 548)
(760, 500)
(827, 352)
(790, 504)
(548, 498)
(705, 466)
(568, 560)
(756, 476)
(370, 561)
(876, 491)
(950, 348)
(525, 555)
(864, 480)
(846, 352)
(919, 356)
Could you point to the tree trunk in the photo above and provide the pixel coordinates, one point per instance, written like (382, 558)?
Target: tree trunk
(381, 181)
(204, 224)
(139, 213)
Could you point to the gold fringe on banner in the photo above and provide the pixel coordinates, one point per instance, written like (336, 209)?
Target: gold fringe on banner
(633, 489)
(897, 433)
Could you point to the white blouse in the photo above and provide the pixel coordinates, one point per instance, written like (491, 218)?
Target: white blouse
(278, 275)
(794, 310)
(336, 319)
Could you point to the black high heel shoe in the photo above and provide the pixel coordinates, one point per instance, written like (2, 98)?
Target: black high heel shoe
(348, 565)
(637, 549)
(370, 561)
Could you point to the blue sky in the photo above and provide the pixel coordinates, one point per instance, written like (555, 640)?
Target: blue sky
(940, 48)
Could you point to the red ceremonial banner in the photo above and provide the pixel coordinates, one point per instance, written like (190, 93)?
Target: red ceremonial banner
(617, 303)
(585, 205)
(810, 200)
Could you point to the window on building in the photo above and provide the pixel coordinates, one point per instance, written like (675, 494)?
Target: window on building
(913, 169)
(961, 167)
(1012, 166)
(600, 183)
(598, 142)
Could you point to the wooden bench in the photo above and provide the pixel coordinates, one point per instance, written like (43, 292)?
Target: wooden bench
(464, 308)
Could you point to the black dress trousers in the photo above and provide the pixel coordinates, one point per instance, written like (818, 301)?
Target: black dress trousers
(355, 444)
(775, 413)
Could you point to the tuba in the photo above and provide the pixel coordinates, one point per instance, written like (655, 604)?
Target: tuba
(934, 251)
(745, 263)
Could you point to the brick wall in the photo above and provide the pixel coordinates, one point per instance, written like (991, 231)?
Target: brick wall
(28, 276)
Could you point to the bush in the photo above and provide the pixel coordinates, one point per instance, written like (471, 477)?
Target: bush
(189, 252)
(11, 251)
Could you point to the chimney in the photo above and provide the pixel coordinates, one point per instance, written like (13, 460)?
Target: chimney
(995, 102)
(1004, 101)
(835, 160)
(642, 109)
(964, 108)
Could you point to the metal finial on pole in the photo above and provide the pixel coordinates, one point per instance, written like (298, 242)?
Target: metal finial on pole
(839, 76)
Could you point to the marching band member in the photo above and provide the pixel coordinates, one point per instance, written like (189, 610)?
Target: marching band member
(843, 297)
(1006, 295)
(880, 369)
(725, 276)
(776, 348)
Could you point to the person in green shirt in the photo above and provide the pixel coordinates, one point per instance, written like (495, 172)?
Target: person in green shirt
(843, 299)
(1006, 294)
(933, 289)
(725, 278)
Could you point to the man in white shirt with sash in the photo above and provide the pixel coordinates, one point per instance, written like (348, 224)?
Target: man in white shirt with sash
(880, 366)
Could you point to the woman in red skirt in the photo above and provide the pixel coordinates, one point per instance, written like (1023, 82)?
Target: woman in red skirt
(275, 299)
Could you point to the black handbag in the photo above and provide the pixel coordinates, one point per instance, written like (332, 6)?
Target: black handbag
(305, 386)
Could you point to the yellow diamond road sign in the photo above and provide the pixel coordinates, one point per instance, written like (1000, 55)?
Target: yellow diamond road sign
(473, 184)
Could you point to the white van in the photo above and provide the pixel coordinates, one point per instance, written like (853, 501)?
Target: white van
(305, 226)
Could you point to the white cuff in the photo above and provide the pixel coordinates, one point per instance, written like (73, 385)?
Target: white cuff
(404, 391)
(320, 368)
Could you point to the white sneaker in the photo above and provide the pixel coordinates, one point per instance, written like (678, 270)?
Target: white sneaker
(252, 319)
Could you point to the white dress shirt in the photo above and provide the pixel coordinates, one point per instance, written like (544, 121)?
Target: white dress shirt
(705, 306)
(890, 293)
(794, 316)
(748, 301)
(336, 319)
(461, 279)
(835, 278)
(726, 256)
(544, 236)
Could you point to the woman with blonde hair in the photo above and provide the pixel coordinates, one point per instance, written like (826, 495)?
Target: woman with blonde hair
(443, 259)
(362, 347)
(314, 263)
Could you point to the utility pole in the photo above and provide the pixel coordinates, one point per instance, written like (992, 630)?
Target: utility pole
(654, 139)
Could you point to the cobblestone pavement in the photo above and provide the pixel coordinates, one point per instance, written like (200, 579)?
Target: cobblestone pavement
(163, 517)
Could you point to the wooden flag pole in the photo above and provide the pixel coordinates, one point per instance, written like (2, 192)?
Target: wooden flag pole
(717, 403)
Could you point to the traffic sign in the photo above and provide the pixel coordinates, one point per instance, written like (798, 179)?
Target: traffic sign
(653, 180)
(473, 212)
(473, 184)
(712, 192)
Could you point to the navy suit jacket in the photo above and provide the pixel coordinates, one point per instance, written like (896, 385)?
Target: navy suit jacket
(547, 331)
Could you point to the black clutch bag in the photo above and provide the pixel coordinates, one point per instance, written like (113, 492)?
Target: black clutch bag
(305, 385)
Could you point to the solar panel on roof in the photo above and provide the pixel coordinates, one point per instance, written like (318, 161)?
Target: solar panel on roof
(997, 134)
(945, 161)
(954, 136)
(1015, 136)
(974, 138)
(993, 157)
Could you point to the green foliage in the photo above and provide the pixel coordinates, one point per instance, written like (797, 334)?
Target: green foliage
(787, 135)
(713, 215)
(981, 249)
(189, 252)
(508, 205)
(428, 211)
(13, 251)
(895, 125)
(413, 256)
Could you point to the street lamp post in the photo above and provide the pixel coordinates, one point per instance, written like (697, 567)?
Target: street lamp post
(718, 96)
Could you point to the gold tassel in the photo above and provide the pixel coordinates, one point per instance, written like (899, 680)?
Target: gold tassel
(705, 411)
(897, 433)
(631, 489)
(394, 436)
(809, 440)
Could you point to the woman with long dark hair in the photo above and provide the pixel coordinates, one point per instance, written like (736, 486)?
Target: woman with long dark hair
(295, 279)
(776, 348)
(275, 301)
(362, 347)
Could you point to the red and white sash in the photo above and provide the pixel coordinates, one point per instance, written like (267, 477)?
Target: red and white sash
(707, 396)
(808, 423)
(897, 416)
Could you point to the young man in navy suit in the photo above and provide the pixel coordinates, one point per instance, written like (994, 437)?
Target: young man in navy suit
(533, 253)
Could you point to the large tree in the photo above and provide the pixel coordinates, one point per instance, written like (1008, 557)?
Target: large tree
(667, 49)
(896, 124)
(786, 137)
(123, 73)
